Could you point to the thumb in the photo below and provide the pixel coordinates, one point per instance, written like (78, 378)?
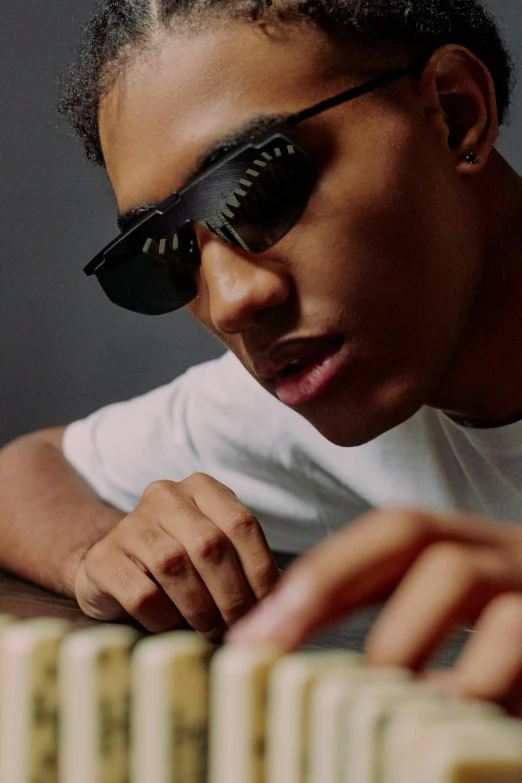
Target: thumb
(95, 602)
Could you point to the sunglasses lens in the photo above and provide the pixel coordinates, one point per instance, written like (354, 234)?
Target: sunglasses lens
(269, 199)
(260, 198)
(152, 277)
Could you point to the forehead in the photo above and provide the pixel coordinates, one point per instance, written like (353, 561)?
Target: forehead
(190, 90)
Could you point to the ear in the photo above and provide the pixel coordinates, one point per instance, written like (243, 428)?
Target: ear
(463, 96)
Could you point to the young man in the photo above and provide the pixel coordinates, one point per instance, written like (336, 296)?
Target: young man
(362, 262)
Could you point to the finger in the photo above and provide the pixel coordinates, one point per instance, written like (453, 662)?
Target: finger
(115, 582)
(490, 667)
(447, 585)
(93, 601)
(356, 566)
(214, 559)
(208, 548)
(219, 503)
(169, 564)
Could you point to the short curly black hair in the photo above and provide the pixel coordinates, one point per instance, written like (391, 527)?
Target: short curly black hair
(118, 28)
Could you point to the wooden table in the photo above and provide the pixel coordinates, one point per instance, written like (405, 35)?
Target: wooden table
(25, 601)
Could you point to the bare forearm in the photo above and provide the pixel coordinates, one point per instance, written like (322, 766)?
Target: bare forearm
(49, 516)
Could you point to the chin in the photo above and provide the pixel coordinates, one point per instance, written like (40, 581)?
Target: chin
(349, 433)
(350, 424)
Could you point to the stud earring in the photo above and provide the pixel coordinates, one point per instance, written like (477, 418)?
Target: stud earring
(471, 158)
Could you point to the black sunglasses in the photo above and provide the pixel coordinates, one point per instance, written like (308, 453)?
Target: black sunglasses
(251, 199)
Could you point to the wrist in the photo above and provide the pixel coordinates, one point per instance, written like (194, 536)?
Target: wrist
(70, 571)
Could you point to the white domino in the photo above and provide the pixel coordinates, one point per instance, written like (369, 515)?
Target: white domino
(94, 702)
(467, 751)
(29, 700)
(231, 716)
(401, 732)
(238, 714)
(372, 707)
(331, 700)
(170, 684)
(289, 689)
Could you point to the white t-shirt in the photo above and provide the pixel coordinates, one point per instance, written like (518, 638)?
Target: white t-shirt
(217, 419)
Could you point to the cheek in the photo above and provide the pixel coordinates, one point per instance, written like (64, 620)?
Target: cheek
(392, 224)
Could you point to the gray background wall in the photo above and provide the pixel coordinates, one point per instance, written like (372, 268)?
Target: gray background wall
(64, 349)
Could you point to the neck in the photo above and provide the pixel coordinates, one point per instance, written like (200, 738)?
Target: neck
(483, 382)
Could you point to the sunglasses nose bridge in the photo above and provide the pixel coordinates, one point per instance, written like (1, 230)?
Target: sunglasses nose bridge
(239, 286)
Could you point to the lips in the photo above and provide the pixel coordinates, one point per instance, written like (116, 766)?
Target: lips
(309, 384)
(294, 355)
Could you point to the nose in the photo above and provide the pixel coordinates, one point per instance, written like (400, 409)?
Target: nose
(240, 285)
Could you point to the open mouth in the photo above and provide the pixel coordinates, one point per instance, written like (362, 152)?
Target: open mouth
(311, 359)
(305, 381)
(293, 369)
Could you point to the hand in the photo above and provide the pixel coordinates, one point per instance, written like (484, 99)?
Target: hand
(189, 550)
(437, 571)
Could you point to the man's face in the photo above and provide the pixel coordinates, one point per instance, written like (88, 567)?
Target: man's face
(385, 256)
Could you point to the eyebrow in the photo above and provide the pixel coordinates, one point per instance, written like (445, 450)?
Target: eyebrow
(249, 131)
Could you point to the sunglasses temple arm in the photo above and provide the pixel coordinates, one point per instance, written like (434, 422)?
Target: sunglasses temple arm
(356, 92)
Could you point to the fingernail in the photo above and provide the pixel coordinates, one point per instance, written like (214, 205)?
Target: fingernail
(260, 625)
(273, 620)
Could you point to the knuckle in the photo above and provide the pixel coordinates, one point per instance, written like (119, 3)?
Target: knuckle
(137, 601)
(212, 549)
(174, 563)
(159, 489)
(242, 524)
(412, 527)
